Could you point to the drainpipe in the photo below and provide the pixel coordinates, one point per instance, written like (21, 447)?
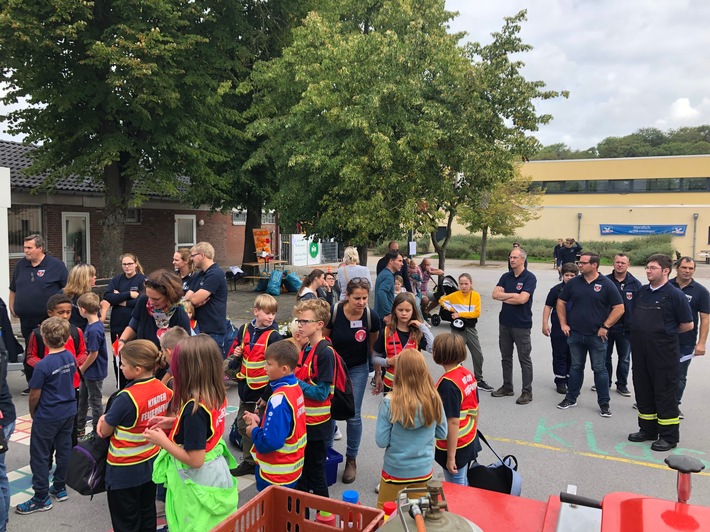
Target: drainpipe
(695, 231)
(579, 225)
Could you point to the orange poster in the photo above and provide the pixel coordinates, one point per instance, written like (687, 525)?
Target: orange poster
(262, 241)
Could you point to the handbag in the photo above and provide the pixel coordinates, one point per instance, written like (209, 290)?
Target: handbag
(501, 476)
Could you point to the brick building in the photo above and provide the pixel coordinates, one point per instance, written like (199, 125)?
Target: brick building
(69, 218)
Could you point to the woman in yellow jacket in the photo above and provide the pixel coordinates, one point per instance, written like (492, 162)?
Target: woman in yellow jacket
(465, 308)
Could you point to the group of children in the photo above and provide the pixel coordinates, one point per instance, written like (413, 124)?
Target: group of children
(166, 425)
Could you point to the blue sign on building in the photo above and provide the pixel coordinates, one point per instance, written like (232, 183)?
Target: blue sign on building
(614, 229)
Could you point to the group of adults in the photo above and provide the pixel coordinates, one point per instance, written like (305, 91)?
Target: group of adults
(140, 306)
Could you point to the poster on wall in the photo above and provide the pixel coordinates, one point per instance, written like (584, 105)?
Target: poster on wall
(304, 251)
(262, 242)
(642, 230)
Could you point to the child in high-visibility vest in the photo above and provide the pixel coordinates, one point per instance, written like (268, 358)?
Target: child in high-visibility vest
(459, 394)
(194, 449)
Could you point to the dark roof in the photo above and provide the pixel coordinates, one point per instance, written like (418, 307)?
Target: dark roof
(15, 156)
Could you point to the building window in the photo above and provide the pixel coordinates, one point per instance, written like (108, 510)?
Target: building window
(185, 230)
(22, 221)
(240, 217)
(619, 185)
(133, 216)
(695, 184)
(600, 187)
(576, 186)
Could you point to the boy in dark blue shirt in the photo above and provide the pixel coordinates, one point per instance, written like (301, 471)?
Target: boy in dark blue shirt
(52, 404)
(95, 368)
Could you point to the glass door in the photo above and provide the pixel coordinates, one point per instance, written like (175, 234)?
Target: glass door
(75, 238)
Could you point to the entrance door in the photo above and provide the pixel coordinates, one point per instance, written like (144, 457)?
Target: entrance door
(75, 238)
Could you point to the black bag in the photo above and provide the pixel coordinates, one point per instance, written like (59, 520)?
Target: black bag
(87, 463)
(501, 476)
(342, 404)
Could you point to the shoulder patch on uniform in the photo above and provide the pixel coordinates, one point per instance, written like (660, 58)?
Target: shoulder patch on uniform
(275, 400)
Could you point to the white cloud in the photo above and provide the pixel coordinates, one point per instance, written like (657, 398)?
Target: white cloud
(627, 65)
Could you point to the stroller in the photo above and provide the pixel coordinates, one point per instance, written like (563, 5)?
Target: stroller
(447, 285)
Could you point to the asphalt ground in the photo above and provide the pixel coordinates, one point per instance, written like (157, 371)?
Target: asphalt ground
(555, 448)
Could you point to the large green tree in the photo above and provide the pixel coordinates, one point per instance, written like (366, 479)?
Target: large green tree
(127, 93)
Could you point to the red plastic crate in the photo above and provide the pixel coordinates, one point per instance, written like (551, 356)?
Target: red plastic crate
(279, 509)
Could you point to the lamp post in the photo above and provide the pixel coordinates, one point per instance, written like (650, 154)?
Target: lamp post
(695, 231)
(579, 225)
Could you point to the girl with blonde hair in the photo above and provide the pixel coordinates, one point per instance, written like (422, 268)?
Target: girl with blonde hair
(409, 421)
(82, 278)
(194, 448)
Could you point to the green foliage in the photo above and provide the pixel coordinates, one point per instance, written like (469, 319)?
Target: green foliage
(646, 142)
(540, 249)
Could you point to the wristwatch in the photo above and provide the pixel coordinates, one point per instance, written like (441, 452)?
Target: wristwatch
(602, 326)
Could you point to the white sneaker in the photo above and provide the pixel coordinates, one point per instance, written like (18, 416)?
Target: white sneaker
(338, 435)
(377, 488)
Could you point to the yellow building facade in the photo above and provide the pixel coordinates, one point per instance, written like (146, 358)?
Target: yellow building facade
(618, 199)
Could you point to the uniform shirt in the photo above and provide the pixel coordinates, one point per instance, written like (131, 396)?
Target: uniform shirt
(627, 288)
(54, 375)
(123, 412)
(121, 315)
(517, 316)
(566, 254)
(194, 428)
(212, 315)
(403, 339)
(279, 422)
(325, 365)
(589, 303)
(451, 400)
(676, 309)
(95, 338)
(350, 339)
(699, 299)
(13, 348)
(246, 394)
(34, 285)
(551, 301)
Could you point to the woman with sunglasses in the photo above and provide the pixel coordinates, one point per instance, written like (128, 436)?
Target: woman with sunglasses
(350, 269)
(156, 311)
(353, 330)
(121, 295)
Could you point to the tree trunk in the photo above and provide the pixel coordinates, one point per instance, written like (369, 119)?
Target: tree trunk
(362, 252)
(254, 207)
(441, 248)
(484, 243)
(118, 191)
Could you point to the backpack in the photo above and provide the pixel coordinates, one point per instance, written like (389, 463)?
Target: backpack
(74, 332)
(87, 463)
(229, 338)
(342, 404)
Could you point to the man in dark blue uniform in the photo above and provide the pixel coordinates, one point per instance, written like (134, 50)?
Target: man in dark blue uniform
(620, 333)
(662, 313)
(208, 293)
(515, 289)
(691, 345)
(36, 278)
(595, 307)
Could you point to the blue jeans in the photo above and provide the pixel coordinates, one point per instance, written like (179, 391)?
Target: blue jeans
(45, 435)
(579, 345)
(219, 338)
(4, 483)
(683, 377)
(623, 351)
(460, 478)
(358, 375)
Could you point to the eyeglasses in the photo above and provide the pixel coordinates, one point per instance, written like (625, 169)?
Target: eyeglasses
(360, 282)
(303, 323)
(193, 255)
(127, 264)
(579, 263)
(154, 285)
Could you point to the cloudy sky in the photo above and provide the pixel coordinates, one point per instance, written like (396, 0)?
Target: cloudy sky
(628, 64)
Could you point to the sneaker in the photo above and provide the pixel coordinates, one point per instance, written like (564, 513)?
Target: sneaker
(566, 403)
(377, 488)
(484, 386)
(34, 505)
(502, 392)
(562, 389)
(59, 494)
(635, 406)
(604, 411)
(26, 392)
(594, 388)
(623, 390)
(524, 398)
(338, 435)
(680, 415)
(244, 468)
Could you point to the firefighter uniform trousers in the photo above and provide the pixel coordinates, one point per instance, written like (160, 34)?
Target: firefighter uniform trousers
(656, 368)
